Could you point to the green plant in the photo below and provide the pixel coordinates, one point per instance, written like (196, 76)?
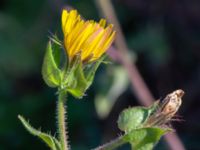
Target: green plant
(85, 44)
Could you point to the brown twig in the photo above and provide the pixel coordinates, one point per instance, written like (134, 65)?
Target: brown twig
(122, 55)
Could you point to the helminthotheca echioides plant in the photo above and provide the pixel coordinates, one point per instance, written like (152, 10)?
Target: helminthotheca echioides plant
(70, 65)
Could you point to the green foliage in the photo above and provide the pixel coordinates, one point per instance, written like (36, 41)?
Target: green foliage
(74, 81)
(50, 71)
(52, 142)
(23, 36)
(75, 77)
(144, 138)
(151, 40)
(132, 120)
(118, 81)
(78, 77)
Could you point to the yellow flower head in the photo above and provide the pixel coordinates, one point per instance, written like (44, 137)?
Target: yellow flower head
(90, 39)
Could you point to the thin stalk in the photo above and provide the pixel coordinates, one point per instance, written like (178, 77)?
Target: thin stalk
(63, 137)
(113, 144)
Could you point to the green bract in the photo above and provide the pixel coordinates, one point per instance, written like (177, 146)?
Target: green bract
(133, 118)
(132, 122)
(144, 138)
(74, 77)
(50, 69)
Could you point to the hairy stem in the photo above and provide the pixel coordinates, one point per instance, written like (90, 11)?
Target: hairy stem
(113, 144)
(61, 120)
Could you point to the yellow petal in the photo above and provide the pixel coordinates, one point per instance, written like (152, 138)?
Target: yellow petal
(99, 48)
(64, 18)
(91, 43)
(69, 21)
(108, 43)
(90, 38)
(76, 46)
(102, 23)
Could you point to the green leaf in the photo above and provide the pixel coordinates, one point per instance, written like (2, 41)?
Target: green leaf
(145, 138)
(133, 118)
(52, 142)
(57, 144)
(104, 101)
(50, 71)
(56, 53)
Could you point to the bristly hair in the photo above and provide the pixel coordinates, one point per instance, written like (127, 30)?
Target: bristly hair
(54, 38)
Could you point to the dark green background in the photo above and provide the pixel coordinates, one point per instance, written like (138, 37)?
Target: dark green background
(165, 35)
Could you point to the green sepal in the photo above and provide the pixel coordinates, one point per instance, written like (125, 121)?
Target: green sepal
(80, 76)
(135, 117)
(91, 69)
(78, 84)
(50, 68)
(73, 80)
(145, 138)
(51, 141)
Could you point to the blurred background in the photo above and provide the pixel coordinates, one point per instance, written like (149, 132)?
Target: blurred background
(163, 38)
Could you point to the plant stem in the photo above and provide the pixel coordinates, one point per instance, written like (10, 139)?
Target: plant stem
(61, 120)
(113, 144)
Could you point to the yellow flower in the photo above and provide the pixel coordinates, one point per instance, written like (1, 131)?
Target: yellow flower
(90, 39)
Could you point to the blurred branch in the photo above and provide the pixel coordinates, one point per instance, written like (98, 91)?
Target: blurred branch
(138, 85)
(122, 55)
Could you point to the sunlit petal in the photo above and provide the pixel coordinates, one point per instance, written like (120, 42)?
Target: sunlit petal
(88, 38)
